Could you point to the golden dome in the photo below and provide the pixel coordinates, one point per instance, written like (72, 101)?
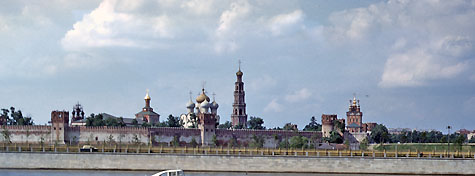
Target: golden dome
(354, 101)
(147, 97)
(239, 73)
(202, 97)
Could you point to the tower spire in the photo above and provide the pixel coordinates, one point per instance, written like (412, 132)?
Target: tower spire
(239, 61)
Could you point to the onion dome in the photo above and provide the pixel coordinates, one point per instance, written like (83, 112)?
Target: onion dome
(205, 104)
(190, 105)
(354, 101)
(202, 97)
(214, 105)
(239, 73)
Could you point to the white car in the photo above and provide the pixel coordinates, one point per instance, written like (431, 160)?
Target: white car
(170, 173)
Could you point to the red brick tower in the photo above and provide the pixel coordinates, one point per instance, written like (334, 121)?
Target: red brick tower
(59, 121)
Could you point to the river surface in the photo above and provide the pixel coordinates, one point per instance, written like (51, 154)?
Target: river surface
(9, 172)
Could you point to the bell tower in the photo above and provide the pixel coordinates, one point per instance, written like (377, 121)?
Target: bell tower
(239, 116)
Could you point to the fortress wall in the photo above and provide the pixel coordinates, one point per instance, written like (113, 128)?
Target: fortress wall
(166, 134)
(27, 133)
(94, 135)
(272, 138)
(233, 163)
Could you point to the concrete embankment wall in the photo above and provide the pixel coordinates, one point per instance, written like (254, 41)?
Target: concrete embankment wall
(157, 162)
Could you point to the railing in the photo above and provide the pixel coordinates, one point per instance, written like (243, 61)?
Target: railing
(144, 149)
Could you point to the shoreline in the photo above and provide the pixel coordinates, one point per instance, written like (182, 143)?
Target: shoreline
(236, 164)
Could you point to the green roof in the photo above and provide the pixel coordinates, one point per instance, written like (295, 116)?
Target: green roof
(147, 113)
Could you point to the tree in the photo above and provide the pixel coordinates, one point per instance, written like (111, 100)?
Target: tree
(364, 144)
(238, 126)
(255, 123)
(337, 125)
(226, 125)
(173, 121)
(313, 125)
(289, 126)
(111, 122)
(232, 142)
(136, 139)
(175, 142)
(120, 122)
(335, 137)
(284, 143)
(380, 134)
(110, 139)
(6, 135)
(161, 124)
(459, 140)
(135, 122)
(193, 142)
(17, 117)
(298, 142)
(98, 120)
(257, 141)
(215, 140)
(146, 125)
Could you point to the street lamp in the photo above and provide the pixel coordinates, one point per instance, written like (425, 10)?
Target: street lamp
(448, 140)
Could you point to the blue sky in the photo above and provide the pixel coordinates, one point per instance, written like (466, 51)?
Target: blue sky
(410, 62)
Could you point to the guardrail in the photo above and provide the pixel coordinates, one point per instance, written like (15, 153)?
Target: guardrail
(144, 149)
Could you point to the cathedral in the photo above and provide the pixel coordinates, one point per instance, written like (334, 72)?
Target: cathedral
(202, 105)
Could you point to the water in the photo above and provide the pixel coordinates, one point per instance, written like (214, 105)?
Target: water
(9, 172)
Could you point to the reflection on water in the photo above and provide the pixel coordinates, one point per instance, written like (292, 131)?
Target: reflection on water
(138, 173)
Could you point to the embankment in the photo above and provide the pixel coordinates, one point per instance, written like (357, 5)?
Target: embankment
(233, 163)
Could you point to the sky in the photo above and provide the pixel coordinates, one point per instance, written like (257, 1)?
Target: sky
(411, 63)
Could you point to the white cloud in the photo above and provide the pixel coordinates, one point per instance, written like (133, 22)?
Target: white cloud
(273, 106)
(422, 41)
(299, 95)
(198, 7)
(106, 26)
(415, 67)
(228, 29)
(284, 22)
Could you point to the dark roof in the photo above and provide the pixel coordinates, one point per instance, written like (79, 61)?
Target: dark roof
(147, 113)
(126, 120)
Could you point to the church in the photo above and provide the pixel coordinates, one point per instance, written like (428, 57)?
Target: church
(202, 104)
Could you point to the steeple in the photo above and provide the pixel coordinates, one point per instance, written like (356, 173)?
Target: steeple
(239, 116)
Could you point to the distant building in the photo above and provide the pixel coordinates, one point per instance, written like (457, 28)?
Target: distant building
(77, 116)
(147, 114)
(239, 115)
(354, 117)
